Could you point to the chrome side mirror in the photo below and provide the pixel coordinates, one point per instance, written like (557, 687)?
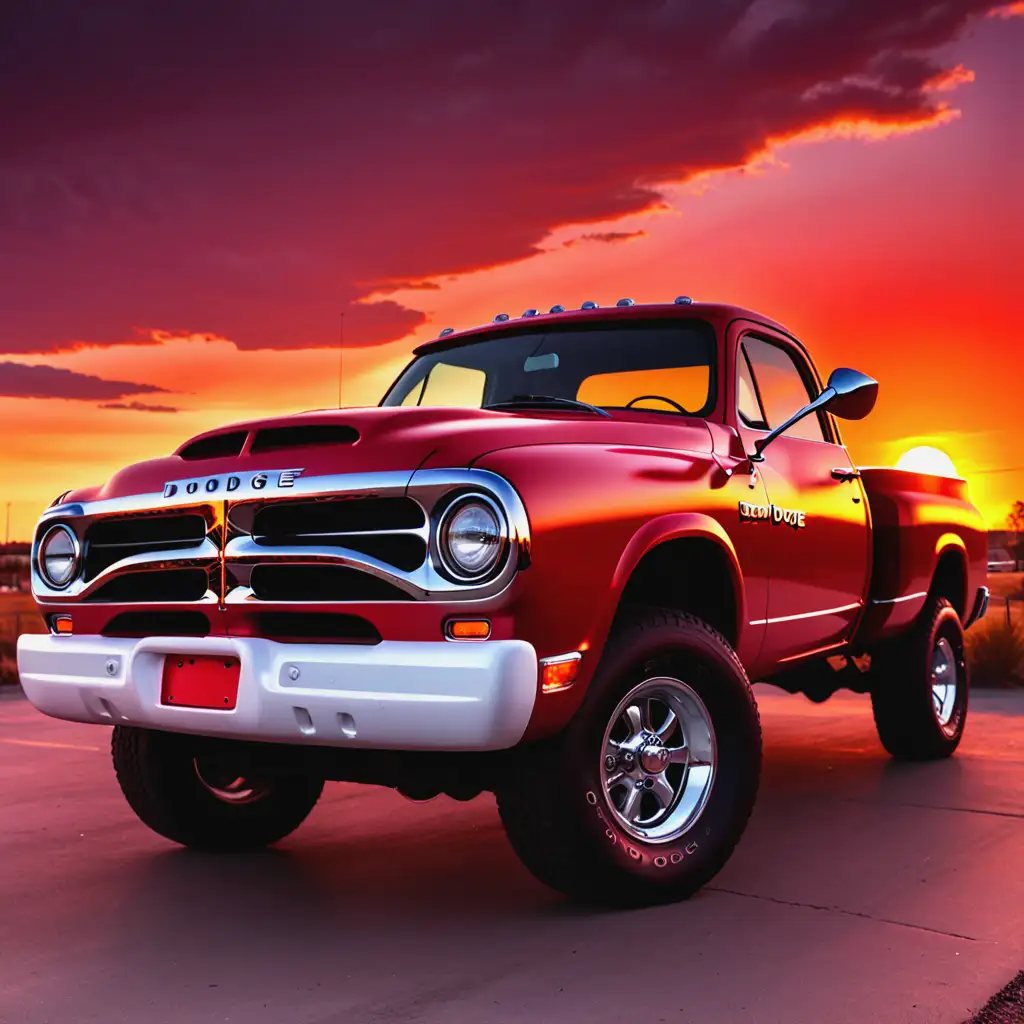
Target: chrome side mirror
(849, 394)
(855, 394)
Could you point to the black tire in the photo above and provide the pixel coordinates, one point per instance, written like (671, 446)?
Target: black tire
(159, 775)
(909, 725)
(561, 821)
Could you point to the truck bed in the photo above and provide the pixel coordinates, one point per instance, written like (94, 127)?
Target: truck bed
(925, 533)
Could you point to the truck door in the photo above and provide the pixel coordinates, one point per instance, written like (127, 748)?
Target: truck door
(817, 518)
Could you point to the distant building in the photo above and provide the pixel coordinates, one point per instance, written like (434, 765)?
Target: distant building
(14, 563)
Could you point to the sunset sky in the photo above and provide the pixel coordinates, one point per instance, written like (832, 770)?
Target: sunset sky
(191, 195)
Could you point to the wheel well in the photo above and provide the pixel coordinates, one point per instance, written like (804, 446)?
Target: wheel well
(950, 580)
(690, 574)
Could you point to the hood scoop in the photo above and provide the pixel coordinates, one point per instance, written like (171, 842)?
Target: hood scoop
(269, 439)
(215, 446)
(272, 439)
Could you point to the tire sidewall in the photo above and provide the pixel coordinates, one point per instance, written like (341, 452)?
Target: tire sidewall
(704, 662)
(946, 625)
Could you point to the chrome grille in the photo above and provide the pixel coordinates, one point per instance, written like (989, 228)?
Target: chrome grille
(234, 540)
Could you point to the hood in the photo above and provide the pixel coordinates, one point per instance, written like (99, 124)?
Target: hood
(391, 439)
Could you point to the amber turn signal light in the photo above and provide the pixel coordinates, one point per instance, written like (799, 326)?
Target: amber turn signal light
(468, 629)
(62, 624)
(559, 673)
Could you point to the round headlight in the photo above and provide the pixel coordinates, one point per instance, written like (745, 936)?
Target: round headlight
(58, 557)
(471, 538)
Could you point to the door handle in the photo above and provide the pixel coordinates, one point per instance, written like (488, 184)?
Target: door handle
(845, 473)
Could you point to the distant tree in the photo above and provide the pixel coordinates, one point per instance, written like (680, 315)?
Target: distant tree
(1016, 523)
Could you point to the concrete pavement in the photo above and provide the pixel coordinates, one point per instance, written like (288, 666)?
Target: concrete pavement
(863, 891)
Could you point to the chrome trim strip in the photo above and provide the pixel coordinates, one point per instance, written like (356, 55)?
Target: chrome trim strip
(427, 487)
(900, 600)
(561, 659)
(806, 615)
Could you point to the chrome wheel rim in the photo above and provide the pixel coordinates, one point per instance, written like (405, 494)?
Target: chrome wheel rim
(944, 683)
(658, 760)
(228, 787)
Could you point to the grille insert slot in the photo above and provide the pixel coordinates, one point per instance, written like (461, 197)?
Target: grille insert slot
(282, 521)
(109, 540)
(320, 583)
(156, 586)
(388, 529)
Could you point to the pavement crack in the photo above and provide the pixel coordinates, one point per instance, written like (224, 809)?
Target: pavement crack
(840, 910)
(1019, 815)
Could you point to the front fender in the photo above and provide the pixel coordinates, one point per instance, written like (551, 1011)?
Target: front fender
(676, 526)
(594, 512)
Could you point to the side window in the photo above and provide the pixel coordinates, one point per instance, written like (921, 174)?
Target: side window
(781, 388)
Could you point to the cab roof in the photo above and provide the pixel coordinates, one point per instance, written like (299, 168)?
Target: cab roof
(719, 314)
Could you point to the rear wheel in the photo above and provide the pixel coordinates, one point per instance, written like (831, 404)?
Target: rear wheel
(642, 798)
(920, 687)
(196, 794)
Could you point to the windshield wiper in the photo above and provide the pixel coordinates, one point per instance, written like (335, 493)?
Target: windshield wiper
(548, 400)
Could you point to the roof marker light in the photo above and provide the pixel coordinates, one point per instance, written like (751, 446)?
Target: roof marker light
(529, 312)
(557, 308)
(447, 330)
(683, 300)
(589, 305)
(501, 318)
(625, 302)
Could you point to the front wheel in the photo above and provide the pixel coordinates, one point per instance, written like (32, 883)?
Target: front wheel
(196, 794)
(920, 686)
(643, 797)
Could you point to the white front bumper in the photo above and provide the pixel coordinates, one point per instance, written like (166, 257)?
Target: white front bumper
(392, 696)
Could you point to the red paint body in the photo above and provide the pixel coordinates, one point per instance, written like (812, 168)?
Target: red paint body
(601, 493)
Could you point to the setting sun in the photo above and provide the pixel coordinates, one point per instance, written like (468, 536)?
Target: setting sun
(928, 460)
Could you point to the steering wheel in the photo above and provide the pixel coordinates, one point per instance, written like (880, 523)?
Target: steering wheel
(658, 398)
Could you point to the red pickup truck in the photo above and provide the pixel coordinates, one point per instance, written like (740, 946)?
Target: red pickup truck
(548, 566)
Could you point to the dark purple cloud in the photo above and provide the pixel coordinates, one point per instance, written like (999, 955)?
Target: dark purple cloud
(18, 380)
(606, 237)
(238, 168)
(138, 407)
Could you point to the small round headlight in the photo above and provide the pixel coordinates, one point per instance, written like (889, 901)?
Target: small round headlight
(471, 538)
(58, 557)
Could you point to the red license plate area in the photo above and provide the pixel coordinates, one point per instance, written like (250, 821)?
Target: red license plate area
(200, 681)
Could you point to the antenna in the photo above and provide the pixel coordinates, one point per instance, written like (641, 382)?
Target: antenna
(341, 354)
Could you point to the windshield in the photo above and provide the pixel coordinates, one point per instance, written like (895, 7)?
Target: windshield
(655, 365)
